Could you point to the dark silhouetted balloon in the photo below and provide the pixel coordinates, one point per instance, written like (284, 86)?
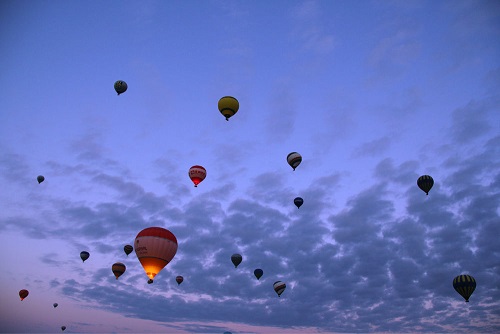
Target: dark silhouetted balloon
(294, 159)
(236, 259)
(120, 87)
(258, 273)
(84, 255)
(464, 285)
(23, 293)
(63, 328)
(425, 182)
(279, 287)
(55, 305)
(228, 106)
(118, 269)
(197, 174)
(179, 279)
(128, 249)
(155, 247)
(40, 179)
(298, 201)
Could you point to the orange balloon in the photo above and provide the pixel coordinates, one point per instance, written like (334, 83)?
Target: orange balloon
(197, 174)
(118, 269)
(155, 247)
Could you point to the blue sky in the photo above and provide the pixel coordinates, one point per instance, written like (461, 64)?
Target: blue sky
(372, 94)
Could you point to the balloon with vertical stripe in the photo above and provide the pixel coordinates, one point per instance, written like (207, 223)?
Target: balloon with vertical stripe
(464, 285)
(118, 269)
(425, 182)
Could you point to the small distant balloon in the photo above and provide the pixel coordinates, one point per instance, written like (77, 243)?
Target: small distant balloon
(128, 249)
(425, 183)
(84, 255)
(23, 293)
(258, 273)
(236, 259)
(197, 174)
(179, 279)
(55, 305)
(298, 201)
(294, 159)
(63, 328)
(118, 269)
(279, 287)
(120, 87)
(464, 285)
(40, 179)
(228, 106)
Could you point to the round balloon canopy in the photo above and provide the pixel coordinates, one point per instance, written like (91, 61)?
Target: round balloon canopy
(84, 255)
(298, 201)
(55, 305)
(279, 287)
(63, 328)
(258, 273)
(464, 285)
(40, 179)
(294, 159)
(425, 183)
(23, 293)
(197, 174)
(118, 269)
(128, 249)
(236, 259)
(120, 87)
(155, 247)
(179, 279)
(228, 106)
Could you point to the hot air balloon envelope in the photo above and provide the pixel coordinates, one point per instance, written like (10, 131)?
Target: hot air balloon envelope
(128, 249)
(120, 87)
(155, 247)
(425, 182)
(179, 279)
(63, 328)
(279, 287)
(197, 174)
(298, 201)
(23, 293)
(228, 106)
(464, 285)
(84, 255)
(294, 159)
(55, 305)
(236, 259)
(118, 269)
(258, 273)
(40, 179)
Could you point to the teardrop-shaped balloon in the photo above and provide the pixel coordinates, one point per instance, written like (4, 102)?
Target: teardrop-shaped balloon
(425, 182)
(63, 328)
(298, 201)
(464, 285)
(55, 305)
(23, 293)
(179, 279)
(294, 159)
(40, 179)
(236, 259)
(118, 269)
(128, 249)
(155, 247)
(120, 87)
(197, 174)
(228, 106)
(258, 273)
(84, 255)
(279, 287)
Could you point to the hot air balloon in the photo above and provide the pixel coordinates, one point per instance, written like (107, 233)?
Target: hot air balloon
(298, 201)
(464, 285)
(128, 249)
(279, 287)
(23, 293)
(258, 273)
(155, 247)
(228, 106)
(63, 328)
(179, 279)
(197, 174)
(120, 87)
(425, 182)
(236, 259)
(294, 159)
(55, 305)
(118, 269)
(40, 179)
(84, 255)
